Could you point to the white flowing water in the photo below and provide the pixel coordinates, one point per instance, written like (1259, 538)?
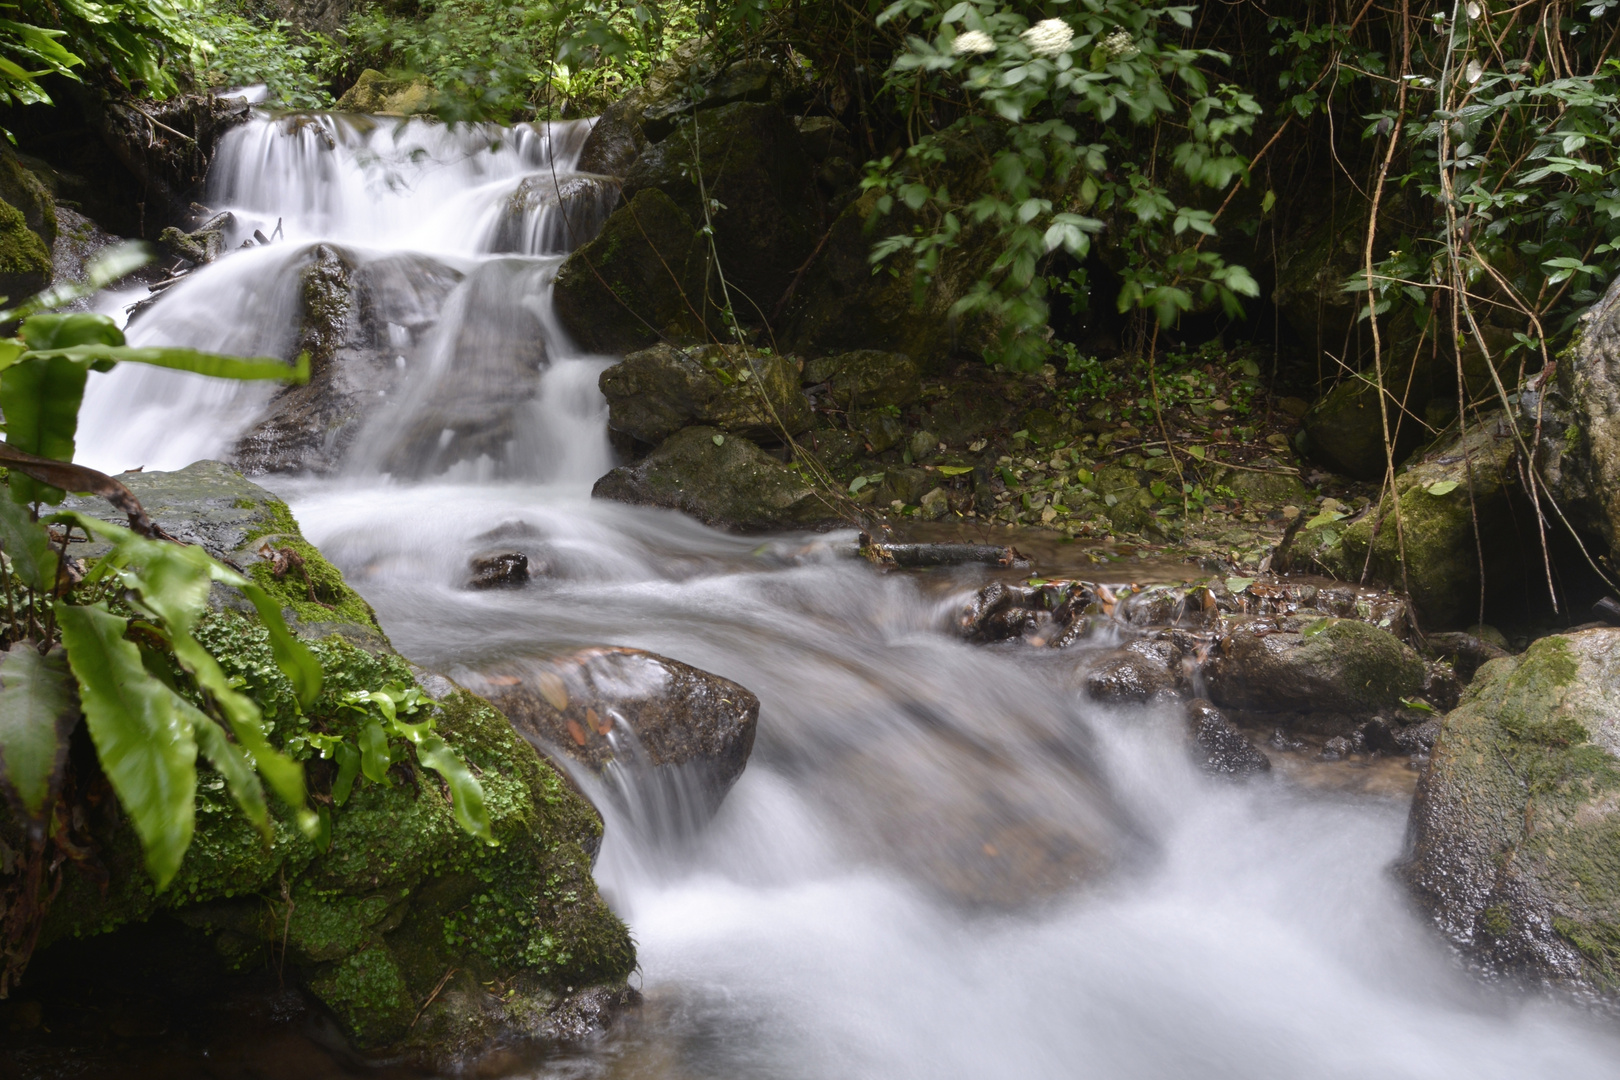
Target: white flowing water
(831, 921)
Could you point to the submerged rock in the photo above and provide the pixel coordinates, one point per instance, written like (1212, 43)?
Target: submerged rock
(722, 480)
(602, 706)
(508, 570)
(1339, 665)
(1516, 824)
(656, 392)
(418, 938)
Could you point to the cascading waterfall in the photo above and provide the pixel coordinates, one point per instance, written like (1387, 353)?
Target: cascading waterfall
(858, 907)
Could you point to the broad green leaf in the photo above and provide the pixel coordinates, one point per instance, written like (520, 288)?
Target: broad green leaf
(1238, 584)
(201, 363)
(1317, 626)
(145, 744)
(374, 755)
(1442, 487)
(1417, 703)
(1196, 451)
(40, 398)
(28, 546)
(1326, 517)
(108, 265)
(954, 470)
(466, 793)
(348, 761)
(37, 714)
(232, 763)
(49, 332)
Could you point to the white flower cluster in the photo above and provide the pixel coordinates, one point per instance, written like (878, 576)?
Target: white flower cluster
(1119, 45)
(973, 43)
(1049, 37)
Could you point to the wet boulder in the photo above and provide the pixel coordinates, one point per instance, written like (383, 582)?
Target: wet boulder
(602, 707)
(359, 322)
(1336, 665)
(654, 393)
(615, 139)
(1143, 671)
(1517, 818)
(639, 281)
(866, 378)
(1221, 746)
(722, 480)
(25, 260)
(553, 212)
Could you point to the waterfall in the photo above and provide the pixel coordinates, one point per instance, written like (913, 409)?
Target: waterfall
(446, 240)
(905, 880)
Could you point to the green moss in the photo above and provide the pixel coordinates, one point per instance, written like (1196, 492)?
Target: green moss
(21, 249)
(333, 600)
(1497, 920)
(369, 991)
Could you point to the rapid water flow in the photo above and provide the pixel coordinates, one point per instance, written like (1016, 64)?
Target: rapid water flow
(884, 894)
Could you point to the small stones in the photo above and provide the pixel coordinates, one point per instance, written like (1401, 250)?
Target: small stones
(506, 570)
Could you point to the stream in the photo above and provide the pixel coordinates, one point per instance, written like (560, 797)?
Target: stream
(877, 895)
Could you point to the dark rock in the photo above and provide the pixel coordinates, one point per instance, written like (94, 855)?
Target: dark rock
(350, 313)
(866, 378)
(171, 166)
(722, 480)
(1222, 747)
(641, 279)
(553, 213)
(78, 241)
(1344, 665)
(1466, 652)
(1394, 735)
(824, 137)
(508, 570)
(1338, 748)
(1515, 824)
(604, 705)
(1145, 670)
(765, 204)
(615, 139)
(654, 393)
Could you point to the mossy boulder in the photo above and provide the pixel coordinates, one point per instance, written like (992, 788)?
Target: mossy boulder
(376, 93)
(1515, 831)
(1338, 665)
(1441, 569)
(25, 259)
(23, 189)
(396, 920)
(654, 393)
(639, 281)
(866, 378)
(723, 480)
(1346, 432)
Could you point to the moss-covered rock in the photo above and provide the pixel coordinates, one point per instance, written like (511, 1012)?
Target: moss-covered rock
(1339, 665)
(396, 919)
(640, 280)
(25, 260)
(866, 378)
(722, 480)
(21, 188)
(376, 93)
(1516, 827)
(1441, 569)
(654, 393)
